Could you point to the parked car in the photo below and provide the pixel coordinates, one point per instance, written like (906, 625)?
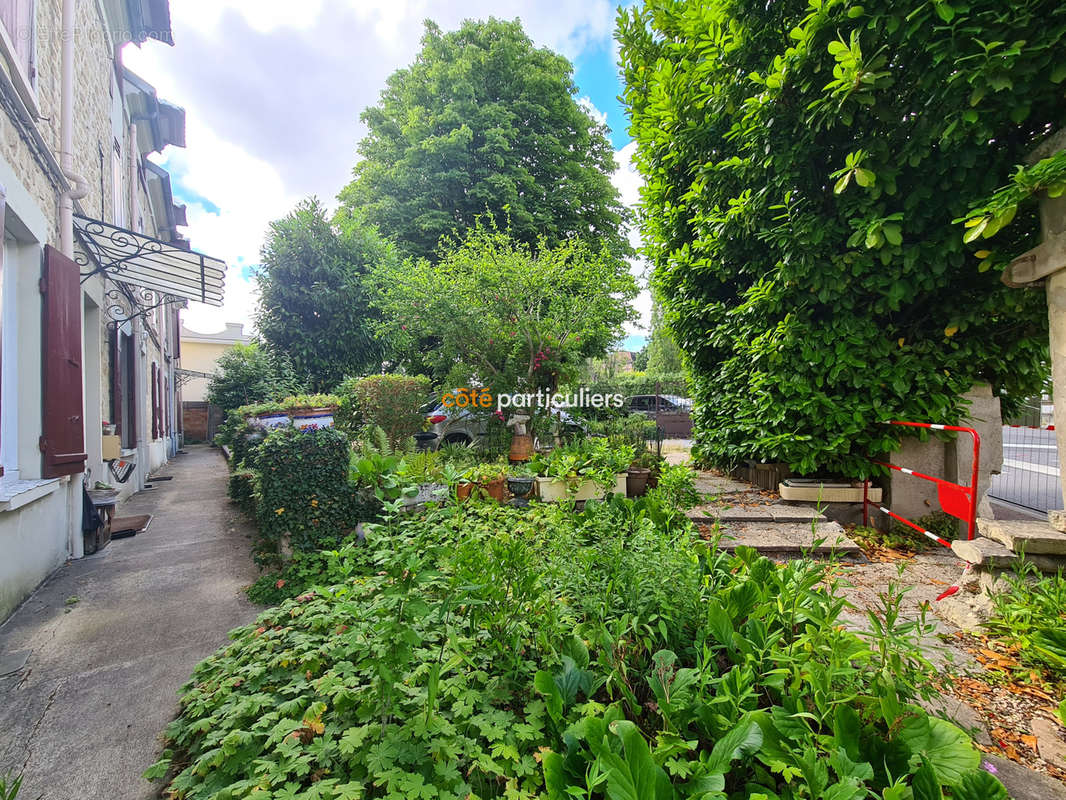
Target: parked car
(667, 403)
(452, 425)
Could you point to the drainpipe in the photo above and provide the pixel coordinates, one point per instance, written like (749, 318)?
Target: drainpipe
(80, 187)
(66, 136)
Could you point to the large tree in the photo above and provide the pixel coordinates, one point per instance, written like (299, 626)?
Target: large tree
(503, 314)
(663, 355)
(313, 305)
(804, 163)
(483, 121)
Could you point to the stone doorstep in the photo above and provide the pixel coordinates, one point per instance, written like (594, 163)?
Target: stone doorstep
(791, 538)
(1049, 743)
(788, 513)
(710, 514)
(1031, 538)
(983, 552)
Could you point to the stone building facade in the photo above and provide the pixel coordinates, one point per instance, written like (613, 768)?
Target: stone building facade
(81, 346)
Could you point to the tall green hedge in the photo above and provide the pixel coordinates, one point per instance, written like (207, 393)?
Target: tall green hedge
(304, 491)
(804, 161)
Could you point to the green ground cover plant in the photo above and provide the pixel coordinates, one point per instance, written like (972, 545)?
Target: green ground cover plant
(1029, 616)
(478, 651)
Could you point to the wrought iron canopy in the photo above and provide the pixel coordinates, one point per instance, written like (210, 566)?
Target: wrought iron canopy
(126, 303)
(139, 260)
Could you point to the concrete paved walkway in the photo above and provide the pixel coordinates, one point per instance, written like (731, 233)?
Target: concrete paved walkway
(82, 719)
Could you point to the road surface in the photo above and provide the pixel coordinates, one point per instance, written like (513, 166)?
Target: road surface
(1030, 476)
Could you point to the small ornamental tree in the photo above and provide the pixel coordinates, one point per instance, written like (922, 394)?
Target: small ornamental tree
(804, 163)
(498, 313)
(390, 402)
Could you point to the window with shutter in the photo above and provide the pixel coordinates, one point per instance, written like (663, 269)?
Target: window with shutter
(17, 18)
(63, 431)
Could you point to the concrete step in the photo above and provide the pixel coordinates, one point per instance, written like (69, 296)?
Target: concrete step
(770, 513)
(789, 538)
(1030, 538)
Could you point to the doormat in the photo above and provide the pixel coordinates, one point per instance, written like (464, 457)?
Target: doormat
(121, 527)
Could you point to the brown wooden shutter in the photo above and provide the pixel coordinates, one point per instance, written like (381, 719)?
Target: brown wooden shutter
(155, 401)
(63, 428)
(116, 381)
(159, 401)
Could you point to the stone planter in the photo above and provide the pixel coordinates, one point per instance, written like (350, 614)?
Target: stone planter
(552, 490)
(307, 419)
(427, 493)
(271, 420)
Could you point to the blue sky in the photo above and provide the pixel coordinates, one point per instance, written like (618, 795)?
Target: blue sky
(273, 91)
(596, 76)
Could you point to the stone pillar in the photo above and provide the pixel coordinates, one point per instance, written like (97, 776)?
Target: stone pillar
(1053, 215)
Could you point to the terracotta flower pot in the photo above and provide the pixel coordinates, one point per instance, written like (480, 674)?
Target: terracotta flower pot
(496, 489)
(521, 447)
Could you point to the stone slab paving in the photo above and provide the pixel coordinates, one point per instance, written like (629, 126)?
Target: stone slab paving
(82, 717)
(789, 538)
(714, 484)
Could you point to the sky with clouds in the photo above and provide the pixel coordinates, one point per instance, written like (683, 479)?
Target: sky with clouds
(273, 91)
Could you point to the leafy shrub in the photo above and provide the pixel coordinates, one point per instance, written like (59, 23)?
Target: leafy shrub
(390, 402)
(486, 651)
(242, 489)
(241, 438)
(804, 166)
(250, 373)
(304, 489)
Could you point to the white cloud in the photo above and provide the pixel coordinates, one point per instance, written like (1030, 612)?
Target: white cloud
(586, 103)
(628, 182)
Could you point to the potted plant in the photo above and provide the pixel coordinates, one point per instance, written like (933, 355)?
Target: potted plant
(639, 474)
(519, 483)
(492, 481)
(583, 471)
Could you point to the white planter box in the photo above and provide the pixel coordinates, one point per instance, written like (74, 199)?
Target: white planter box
(810, 492)
(551, 490)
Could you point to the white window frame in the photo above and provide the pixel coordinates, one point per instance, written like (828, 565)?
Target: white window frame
(25, 83)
